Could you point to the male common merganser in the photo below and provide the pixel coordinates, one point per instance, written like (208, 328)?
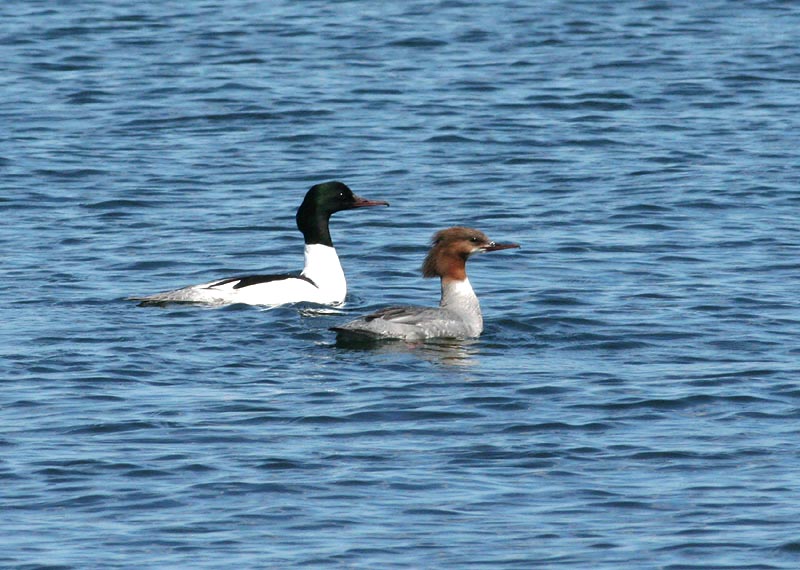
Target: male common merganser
(322, 279)
(459, 313)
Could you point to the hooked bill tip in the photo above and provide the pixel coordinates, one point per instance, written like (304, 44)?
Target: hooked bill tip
(363, 202)
(498, 246)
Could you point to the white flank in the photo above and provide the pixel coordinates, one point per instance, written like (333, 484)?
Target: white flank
(321, 266)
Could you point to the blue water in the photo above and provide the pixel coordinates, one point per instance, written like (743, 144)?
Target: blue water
(634, 401)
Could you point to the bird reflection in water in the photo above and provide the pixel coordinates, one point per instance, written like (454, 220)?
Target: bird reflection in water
(446, 352)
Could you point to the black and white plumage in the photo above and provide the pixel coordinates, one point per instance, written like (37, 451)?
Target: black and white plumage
(322, 279)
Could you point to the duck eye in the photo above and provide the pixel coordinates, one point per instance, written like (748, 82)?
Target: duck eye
(474, 239)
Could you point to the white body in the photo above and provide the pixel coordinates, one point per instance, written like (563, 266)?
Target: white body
(322, 267)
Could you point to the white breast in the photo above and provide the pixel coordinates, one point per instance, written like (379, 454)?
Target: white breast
(322, 266)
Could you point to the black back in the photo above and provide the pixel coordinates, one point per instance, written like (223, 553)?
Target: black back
(256, 279)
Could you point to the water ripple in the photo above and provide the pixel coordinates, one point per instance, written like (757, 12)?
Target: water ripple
(633, 396)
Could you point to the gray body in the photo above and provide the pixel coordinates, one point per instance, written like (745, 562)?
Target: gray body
(458, 316)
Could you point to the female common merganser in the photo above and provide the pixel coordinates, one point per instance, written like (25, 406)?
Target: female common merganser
(322, 279)
(459, 313)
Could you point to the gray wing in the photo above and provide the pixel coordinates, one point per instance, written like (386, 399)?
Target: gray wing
(410, 323)
(405, 315)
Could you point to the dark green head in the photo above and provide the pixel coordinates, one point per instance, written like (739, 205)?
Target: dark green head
(323, 200)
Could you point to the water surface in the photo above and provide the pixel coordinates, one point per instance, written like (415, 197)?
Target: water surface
(633, 401)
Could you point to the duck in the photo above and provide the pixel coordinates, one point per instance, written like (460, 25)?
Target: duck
(458, 314)
(322, 279)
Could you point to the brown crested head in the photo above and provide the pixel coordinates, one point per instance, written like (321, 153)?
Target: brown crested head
(451, 248)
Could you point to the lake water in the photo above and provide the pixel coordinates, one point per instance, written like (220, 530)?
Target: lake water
(634, 401)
